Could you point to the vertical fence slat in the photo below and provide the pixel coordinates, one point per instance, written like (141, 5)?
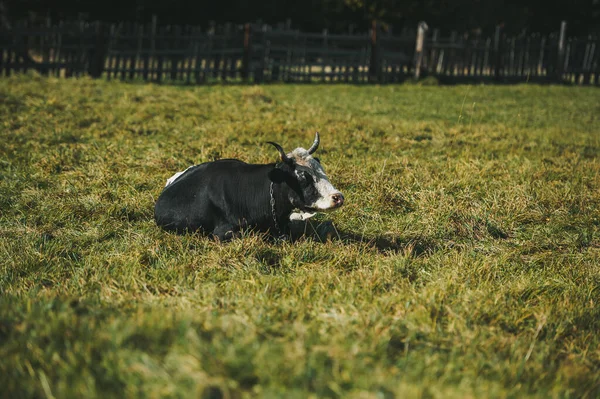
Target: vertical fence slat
(149, 70)
(540, 64)
(246, 56)
(420, 48)
(158, 54)
(561, 51)
(374, 64)
(498, 53)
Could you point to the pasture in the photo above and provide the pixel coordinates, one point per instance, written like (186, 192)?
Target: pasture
(466, 261)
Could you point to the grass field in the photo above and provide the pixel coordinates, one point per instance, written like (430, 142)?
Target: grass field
(467, 263)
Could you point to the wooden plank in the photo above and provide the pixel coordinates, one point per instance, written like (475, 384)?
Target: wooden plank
(150, 58)
(110, 57)
(452, 56)
(118, 56)
(511, 58)
(82, 56)
(565, 64)
(374, 62)
(198, 74)
(561, 51)
(589, 66)
(498, 53)
(160, 59)
(126, 58)
(521, 67)
(57, 51)
(472, 59)
(45, 48)
(540, 65)
(191, 57)
(486, 67)
(174, 58)
(135, 59)
(324, 55)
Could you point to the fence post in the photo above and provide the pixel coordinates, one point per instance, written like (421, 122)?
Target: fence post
(498, 53)
(561, 52)
(135, 61)
(45, 69)
(259, 74)
(419, 48)
(99, 53)
(324, 55)
(434, 53)
(152, 57)
(246, 56)
(374, 62)
(175, 34)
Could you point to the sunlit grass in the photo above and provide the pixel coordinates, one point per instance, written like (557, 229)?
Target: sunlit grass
(468, 264)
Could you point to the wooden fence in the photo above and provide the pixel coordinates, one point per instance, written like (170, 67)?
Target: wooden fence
(258, 53)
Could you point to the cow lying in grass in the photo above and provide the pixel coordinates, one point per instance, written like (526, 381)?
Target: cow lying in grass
(225, 197)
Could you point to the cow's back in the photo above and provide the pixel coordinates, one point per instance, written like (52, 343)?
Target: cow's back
(200, 198)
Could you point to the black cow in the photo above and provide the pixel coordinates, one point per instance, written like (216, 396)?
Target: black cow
(224, 197)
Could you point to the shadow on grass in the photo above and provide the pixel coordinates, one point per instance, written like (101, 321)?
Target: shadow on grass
(324, 231)
(414, 246)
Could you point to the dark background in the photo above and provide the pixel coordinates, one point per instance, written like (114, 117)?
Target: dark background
(543, 16)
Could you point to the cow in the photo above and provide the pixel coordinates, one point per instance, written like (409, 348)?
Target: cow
(223, 198)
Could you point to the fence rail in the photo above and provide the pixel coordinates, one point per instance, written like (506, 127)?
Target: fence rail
(260, 54)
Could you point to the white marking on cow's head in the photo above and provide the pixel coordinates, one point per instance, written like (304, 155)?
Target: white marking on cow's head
(315, 191)
(310, 168)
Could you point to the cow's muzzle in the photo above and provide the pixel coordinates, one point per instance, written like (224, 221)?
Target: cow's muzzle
(330, 202)
(337, 199)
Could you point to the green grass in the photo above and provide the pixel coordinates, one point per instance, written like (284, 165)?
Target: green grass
(468, 265)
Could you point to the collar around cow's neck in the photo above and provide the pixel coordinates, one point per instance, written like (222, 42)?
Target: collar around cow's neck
(280, 233)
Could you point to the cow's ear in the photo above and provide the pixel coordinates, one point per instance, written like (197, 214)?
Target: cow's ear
(277, 176)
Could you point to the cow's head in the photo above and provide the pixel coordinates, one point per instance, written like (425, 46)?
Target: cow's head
(303, 173)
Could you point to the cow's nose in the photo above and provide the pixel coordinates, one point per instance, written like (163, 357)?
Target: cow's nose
(338, 199)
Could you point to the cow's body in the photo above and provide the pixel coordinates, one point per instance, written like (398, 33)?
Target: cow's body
(207, 198)
(224, 197)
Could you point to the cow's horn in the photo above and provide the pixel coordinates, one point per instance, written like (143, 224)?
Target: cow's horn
(315, 145)
(284, 157)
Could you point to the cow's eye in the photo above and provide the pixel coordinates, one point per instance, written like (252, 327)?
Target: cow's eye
(317, 159)
(307, 176)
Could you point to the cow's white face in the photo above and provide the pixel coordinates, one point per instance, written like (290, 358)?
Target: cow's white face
(317, 191)
(311, 190)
